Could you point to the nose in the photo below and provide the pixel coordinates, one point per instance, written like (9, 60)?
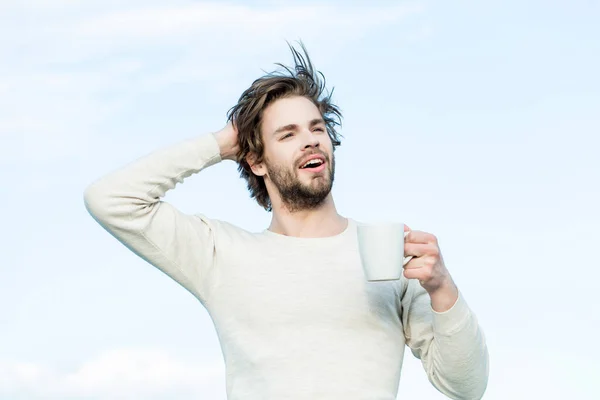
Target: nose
(310, 140)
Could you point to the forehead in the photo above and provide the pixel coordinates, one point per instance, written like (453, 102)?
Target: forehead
(291, 110)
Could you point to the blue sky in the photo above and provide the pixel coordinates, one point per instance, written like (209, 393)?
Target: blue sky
(475, 121)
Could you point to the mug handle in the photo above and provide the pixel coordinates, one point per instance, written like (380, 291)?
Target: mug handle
(407, 258)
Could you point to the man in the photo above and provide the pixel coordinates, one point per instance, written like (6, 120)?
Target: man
(295, 316)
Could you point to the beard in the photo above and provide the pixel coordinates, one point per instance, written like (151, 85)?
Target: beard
(297, 195)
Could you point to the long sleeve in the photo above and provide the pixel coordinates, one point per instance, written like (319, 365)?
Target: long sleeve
(450, 345)
(127, 203)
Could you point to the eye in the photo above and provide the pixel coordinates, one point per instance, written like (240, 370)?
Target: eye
(287, 135)
(320, 130)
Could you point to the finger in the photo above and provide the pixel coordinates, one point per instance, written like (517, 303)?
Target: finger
(416, 249)
(415, 263)
(420, 237)
(406, 228)
(414, 274)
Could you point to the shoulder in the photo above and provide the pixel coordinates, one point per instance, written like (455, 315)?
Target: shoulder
(224, 230)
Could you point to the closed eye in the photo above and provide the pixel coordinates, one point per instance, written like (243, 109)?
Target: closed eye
(287, 135)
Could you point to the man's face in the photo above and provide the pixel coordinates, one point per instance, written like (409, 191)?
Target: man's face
(294, 133)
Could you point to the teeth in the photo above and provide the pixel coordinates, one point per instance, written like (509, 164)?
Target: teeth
(311, 162)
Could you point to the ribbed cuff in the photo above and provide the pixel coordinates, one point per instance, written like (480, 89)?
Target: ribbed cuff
(452, 320)
(208, 149)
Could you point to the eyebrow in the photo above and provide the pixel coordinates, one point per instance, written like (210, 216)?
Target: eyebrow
(294, 127)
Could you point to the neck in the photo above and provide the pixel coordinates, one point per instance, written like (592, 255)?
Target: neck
(322, 221)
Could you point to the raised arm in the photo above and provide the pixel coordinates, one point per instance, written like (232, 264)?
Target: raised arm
(450, 344)
(127, 203)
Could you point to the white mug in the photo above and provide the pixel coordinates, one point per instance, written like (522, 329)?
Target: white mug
(381, 247)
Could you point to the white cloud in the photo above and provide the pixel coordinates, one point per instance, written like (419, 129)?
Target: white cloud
(72, 66)
(220, 20)
(122, 373)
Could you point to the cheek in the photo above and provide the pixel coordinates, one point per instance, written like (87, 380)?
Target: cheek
(279, 165)
(326, 143)
(328, 148)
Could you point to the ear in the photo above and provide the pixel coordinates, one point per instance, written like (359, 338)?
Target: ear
(258, 169)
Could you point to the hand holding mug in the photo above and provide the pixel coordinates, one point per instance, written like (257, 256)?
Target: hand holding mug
(427, 264)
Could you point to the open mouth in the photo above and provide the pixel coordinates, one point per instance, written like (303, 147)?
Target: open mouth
(313, 164)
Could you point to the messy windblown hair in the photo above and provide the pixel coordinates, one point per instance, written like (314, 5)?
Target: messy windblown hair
(301, 80)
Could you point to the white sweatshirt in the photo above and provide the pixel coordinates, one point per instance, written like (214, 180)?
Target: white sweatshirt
(295, 317)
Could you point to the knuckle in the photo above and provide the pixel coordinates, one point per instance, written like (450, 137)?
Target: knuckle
(427, 275)
(430, 262)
